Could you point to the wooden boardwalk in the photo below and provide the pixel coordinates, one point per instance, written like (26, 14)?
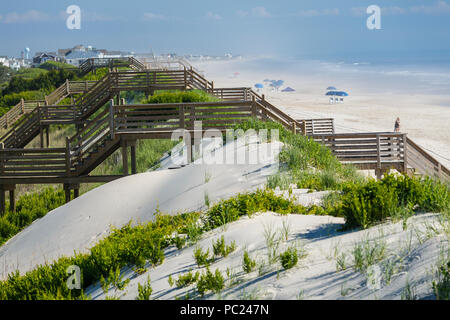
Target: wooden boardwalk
(105, 124)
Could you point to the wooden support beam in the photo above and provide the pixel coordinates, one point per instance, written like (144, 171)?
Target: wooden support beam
(133, 159)
(67, 192)
(2, 200)
(125, 159)
(76, 193)
(47, 136)
(12, 201)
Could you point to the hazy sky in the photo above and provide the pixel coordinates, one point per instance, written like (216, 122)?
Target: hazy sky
(248, 27)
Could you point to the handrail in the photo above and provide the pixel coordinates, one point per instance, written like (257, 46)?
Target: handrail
(424, 162)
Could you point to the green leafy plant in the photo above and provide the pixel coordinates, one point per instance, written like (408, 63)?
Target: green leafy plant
(145, 291)
(289, 258)
(220, 249)
(209, 281)
(248, 264)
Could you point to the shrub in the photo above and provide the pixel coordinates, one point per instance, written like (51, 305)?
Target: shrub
(210, 282)
(221, 249)
(248, 265)
(202, 258)
(187, 279)
(145, 291)
(179, 96)
(230, 210)
(29, 207)
(441, 286)
(289, 258)
(125, 246)
(375, 201)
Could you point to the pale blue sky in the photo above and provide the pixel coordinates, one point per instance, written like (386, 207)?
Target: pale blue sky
(282, 28)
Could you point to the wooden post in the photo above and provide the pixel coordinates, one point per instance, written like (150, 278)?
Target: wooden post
(111, 119)
(68, 162)
(405, 153)
(185, 78)
(2, 200)
(12, 200)
(294, 128)
(133, 158)
(254, 112)
(67, 86)
(47, 136)
(76, 192)
(378, 153)
(67, 192)
(22, 103)
(124, 158)
(182, 116)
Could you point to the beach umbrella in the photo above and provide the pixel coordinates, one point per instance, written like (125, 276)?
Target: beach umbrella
(331, 88)
(331, 93)
(259, 86)
(288, 89)
(342, 94)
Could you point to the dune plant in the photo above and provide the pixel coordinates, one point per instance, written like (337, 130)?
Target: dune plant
(289, 258)
(202, 258)
(145, 291)
(187, 279)
(209, 281)
(248, 264)
(220, 249)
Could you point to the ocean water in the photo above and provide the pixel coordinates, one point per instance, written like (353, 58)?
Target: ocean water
(375, 75)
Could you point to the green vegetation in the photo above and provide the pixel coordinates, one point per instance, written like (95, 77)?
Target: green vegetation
(307, 163)
(202, 258)
(289, 258)
(187, 279)
(441, 286)
(209, 281)
(179, 96)
(126, 246)
(145, 291)
(248, 264)
(220, 249)
(364, 205)
(29, 208)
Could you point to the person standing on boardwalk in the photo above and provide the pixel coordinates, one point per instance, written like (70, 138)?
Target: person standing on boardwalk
(397, 125)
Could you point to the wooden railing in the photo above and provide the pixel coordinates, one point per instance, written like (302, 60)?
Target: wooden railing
(21, 163)
(367, 150)
(93, 63)
(168, 117)
(88, 138)
(18, 135)
(318, 126)
(423, 163)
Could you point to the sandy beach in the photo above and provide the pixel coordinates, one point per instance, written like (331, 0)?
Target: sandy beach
(376, 98)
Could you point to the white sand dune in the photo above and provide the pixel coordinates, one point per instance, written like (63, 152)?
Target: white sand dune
(81, 223)
(316, 276)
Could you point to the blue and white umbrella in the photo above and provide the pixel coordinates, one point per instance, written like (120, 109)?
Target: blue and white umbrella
(259, 86)
(331, 88)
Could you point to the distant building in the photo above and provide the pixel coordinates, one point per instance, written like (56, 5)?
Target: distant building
(43, 57)
(14, 63)
(76, 57)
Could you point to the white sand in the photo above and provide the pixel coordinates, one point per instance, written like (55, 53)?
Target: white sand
(315, 276)
(374, 103)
